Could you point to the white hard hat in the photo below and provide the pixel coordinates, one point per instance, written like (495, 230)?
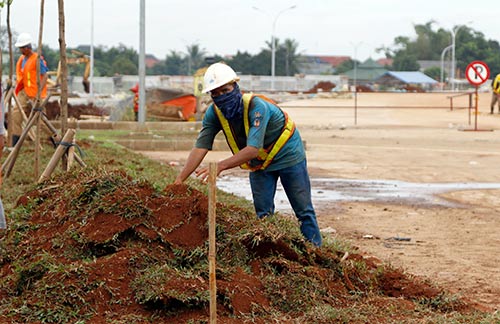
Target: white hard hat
(23, 40)
(217, 75)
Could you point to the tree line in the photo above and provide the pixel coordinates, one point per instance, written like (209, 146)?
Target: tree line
(427, 44)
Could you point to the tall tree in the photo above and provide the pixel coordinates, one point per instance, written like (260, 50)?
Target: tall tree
(290, 47)
(429, 44)
(64, 73)
(195, 58)
(174, 64)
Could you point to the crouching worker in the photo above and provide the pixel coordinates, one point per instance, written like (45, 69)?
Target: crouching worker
(263, 140)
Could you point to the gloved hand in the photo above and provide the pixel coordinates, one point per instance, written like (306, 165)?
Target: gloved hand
(19, 87)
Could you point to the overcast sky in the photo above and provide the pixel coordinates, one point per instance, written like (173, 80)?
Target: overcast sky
(321, 27)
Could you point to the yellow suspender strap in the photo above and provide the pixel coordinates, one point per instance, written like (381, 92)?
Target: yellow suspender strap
(264, 155)
(227, 131)
(284, 137)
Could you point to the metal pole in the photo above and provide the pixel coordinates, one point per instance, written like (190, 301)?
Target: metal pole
(142, 63)
(443, 53)
(92, 49)
(476, 111)
(452, 72)
(273, 53)
(273, 45)
(355, 91)
(454, 33)
(356, 81)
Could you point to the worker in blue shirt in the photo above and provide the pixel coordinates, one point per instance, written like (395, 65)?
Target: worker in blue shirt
(263, 140)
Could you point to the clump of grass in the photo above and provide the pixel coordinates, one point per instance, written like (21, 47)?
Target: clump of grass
(56, 279)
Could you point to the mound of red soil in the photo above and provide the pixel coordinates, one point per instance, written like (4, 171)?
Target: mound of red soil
(325, 86)
(53, 110)
(104, 247)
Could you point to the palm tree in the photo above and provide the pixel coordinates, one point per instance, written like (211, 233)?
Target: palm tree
(195, 57)
(291, 56)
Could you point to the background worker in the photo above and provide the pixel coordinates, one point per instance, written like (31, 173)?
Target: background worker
(27, 87)
(263, 139)
(495, 87)
(135, 90)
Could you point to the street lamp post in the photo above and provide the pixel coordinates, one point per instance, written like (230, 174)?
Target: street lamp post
(443, 53)
(91, 90)
(355, 82)
(273, 45)
(454, 32)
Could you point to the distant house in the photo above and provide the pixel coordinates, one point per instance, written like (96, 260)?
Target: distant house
(385, 62)
(405, 80)
(366, 72)
(151, 60)
(320, 64)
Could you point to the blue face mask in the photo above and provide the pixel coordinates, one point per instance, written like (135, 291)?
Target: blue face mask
(230, 104)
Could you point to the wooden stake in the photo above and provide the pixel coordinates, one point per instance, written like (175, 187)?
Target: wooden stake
(212, 201)
(71, 157)
(61, 149)
(31, 133)
(56, 138)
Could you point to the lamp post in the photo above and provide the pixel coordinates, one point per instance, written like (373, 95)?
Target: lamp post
(447, 48)
(142, 63)
(356, 81)
(273, 45)
(454, 32)
(92, 50)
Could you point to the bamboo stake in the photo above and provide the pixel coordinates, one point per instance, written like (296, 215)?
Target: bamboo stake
(23, 114)
(37, 145)
(39, 90)
(11, 69)
(11, 159)
(61, 149)
(64, 76)
(212, 201)
(8, 164)
(71, 157)
(57, 138)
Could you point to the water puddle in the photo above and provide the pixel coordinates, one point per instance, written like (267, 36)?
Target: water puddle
(327, 190)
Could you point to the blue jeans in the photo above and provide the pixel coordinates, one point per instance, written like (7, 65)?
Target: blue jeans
(295, 181)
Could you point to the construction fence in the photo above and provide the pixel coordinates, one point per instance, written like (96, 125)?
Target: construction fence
(300, 83)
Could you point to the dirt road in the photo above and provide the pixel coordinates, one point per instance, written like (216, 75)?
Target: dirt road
(455, 246)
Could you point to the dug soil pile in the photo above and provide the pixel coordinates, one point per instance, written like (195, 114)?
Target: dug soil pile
(53, 110)
(102, 247)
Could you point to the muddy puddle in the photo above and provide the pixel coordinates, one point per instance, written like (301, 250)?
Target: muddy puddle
(328, 190)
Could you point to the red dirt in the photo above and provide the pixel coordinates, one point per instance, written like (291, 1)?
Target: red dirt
(53, 110)
(325, 86)
(124, 226)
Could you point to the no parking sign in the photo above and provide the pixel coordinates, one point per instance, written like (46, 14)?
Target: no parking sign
(477, 73)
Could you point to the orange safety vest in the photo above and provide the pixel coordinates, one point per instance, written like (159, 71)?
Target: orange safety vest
(27, 75)
(266, 155)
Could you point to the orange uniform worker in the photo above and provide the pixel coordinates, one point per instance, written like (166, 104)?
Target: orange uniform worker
(135, 90)
(27, 87)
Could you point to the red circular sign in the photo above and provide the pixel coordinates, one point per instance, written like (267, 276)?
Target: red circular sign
(477, 73)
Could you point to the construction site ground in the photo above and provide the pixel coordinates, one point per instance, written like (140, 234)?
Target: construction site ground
(410, 137)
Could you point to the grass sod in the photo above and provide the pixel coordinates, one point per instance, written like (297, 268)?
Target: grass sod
(294, 282)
